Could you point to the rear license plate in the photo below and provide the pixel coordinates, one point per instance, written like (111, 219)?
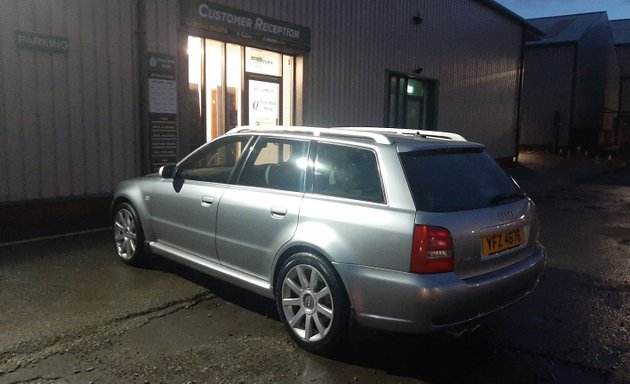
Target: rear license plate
(503, 241)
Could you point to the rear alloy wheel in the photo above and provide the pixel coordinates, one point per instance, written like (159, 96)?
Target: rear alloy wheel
(128, 235)
(312, 303)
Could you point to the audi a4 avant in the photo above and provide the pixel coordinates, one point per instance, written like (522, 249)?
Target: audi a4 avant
(391, 229)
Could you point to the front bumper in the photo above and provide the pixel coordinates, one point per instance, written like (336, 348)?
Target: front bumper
(405, 302)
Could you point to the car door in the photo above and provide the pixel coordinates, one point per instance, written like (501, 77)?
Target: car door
(184, 208)
(259, 213)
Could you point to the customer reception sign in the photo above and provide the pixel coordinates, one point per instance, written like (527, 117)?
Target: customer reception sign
(244, 25)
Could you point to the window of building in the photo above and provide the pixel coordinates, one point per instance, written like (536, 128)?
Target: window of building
(411, 103)
(238, 85)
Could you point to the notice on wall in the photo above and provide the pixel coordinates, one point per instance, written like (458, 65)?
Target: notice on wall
(162, 96)
(163, 140)
(162, 89)
(264, 103)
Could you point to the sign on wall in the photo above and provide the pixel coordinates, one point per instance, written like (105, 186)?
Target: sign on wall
(42, 43)
(245, 26)
(162, 89)
(263, 62)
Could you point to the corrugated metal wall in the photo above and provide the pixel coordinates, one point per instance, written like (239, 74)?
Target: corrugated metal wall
(547, 90)
(623, 52)
(594, 66)
(473, 51)
(162, 19)
(612, 91)
(67, 120)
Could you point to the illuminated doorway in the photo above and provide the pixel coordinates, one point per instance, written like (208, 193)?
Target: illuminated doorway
(237, 85)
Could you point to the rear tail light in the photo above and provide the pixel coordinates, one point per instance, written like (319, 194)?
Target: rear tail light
(432, 250)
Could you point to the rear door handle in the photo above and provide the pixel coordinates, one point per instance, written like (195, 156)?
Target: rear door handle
(278, 212)
(207, 201)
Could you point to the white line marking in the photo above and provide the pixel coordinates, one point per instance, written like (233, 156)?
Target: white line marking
(36, 239)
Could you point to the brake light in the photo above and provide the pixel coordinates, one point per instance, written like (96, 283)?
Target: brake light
(432, 250)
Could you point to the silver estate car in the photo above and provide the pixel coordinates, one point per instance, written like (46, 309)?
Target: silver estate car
(400, 230)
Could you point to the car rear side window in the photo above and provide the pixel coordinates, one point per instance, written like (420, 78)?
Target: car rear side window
(456, 179)
(348, 172)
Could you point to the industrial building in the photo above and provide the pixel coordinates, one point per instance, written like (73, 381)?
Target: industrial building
(621, 34)
(571, 82)
(96, 91)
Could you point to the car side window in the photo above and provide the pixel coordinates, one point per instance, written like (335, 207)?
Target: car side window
(276, 163)
(215, 161)
(348, 172)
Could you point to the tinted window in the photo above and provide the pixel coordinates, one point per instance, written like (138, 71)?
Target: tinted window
(347, 172)
(443, 181)
(276, 163)
(215, 161)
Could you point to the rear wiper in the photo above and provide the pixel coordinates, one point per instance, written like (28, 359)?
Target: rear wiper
(507, 196)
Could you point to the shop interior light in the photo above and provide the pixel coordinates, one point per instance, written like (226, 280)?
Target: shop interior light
(195, 55)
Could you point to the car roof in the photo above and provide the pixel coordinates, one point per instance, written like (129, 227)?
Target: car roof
(404, 139)
(410, 144)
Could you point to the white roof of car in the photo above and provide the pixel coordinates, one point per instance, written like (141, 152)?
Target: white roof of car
(377, 134)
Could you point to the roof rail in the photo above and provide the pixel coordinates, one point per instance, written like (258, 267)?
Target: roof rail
(374, 135)
(440, 135)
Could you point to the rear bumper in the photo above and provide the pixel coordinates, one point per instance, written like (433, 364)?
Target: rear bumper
(406, 302)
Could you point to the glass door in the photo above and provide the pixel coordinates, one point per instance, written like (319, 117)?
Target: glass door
(234, 85)
(264, 100)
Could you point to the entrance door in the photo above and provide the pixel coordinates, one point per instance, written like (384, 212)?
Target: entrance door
(232, 85)
(264, 100)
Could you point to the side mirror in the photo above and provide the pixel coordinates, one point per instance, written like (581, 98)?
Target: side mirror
(168, 171)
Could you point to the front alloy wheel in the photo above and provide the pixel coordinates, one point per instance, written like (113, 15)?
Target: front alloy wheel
(128, 234)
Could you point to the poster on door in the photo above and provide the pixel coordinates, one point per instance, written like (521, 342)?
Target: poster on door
(264, 103)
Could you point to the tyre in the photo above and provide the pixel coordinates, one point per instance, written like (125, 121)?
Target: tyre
(128, 235)
(312, 303)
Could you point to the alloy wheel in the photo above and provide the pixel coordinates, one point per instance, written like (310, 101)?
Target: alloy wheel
(307, 303)
(125, 234)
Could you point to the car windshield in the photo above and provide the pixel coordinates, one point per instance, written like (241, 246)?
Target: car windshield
(449, 180)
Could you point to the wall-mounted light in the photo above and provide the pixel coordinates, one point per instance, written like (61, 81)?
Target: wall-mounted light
(417, 18)
(418, 70)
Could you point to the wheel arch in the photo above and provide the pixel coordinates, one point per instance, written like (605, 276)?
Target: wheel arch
(306, 248)
(134, 197)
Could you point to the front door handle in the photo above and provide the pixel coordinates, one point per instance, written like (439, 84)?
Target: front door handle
(207, 201)
(278, 212)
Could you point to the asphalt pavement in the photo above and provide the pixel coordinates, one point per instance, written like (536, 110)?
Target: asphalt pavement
(539, 171)
(73, 313)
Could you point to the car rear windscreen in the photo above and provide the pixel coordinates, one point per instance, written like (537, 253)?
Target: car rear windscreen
(459, 179)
